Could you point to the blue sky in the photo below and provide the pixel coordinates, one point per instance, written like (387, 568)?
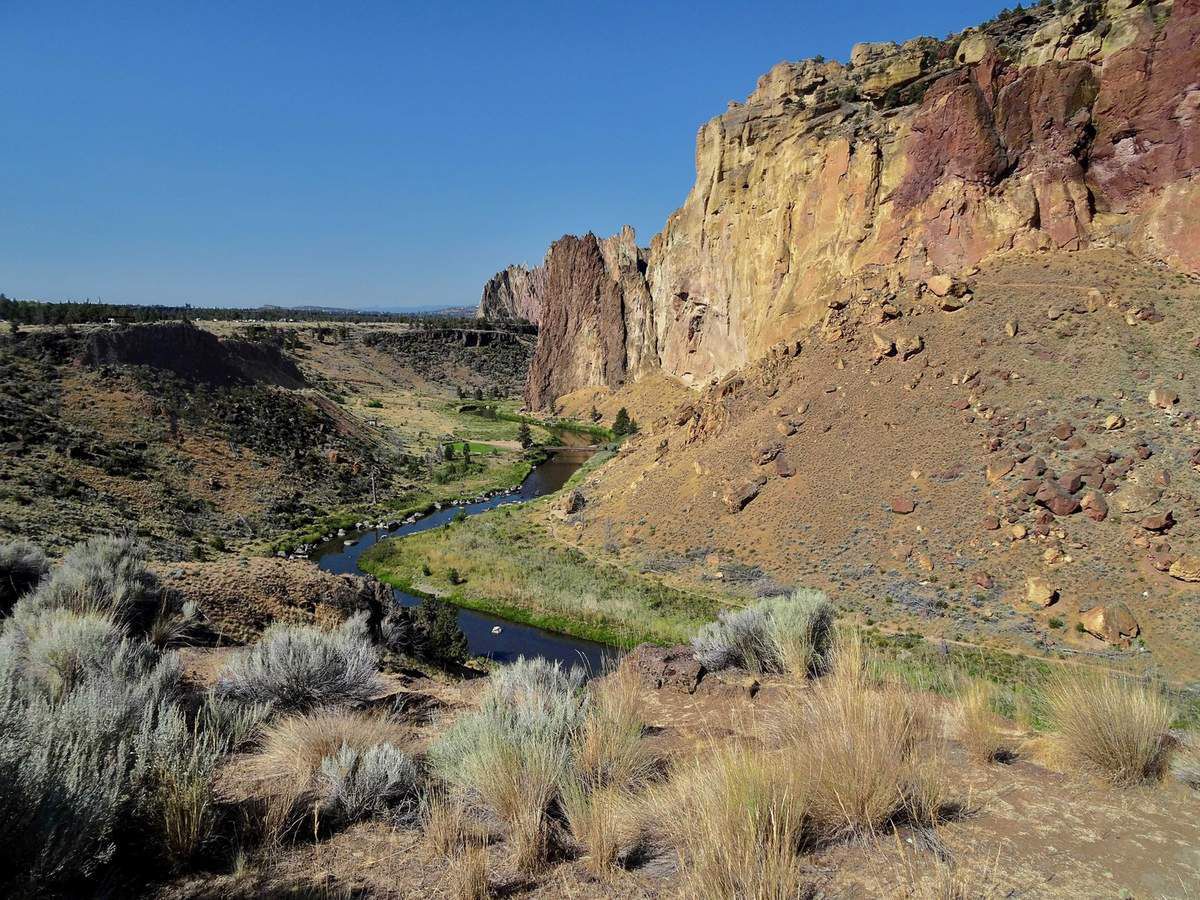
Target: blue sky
(366, 154)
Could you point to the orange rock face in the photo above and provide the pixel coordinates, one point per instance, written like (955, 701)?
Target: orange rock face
(1047, 131)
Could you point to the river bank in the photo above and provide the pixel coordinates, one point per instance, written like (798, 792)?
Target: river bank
(504, 562)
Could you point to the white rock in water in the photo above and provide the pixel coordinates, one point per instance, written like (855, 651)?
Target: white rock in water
(496, 629)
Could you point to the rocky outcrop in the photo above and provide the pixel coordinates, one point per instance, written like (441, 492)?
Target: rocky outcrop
(192, 353)
(513, 294)
(1041, 130)
(239, 598)
(582, 334)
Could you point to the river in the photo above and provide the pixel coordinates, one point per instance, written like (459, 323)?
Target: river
(514, 638)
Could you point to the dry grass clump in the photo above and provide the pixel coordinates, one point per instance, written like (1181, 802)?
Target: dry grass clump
(513, 752)
(469, 874)
(1116, 727)
(538, 746)
(334, 766)
(980, 727)
(739, 820)
(609, 748)
(871, 754)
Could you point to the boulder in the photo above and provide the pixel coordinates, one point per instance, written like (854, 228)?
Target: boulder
(1158, 521)
(1111, 622)
(1186, 568)
(739, 494)
(784, 468)
(999, 467)
(909, 345)
(903, 505)
(1094, 504)
(670, 668)
(1039, 591)
(572, 502)
(1163, 398)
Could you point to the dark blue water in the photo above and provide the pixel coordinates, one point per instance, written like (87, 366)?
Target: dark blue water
(514, 639)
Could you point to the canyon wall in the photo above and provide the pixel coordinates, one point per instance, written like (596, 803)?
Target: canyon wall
(1042, 130)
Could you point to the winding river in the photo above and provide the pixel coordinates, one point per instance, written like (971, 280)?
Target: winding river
(487, 635)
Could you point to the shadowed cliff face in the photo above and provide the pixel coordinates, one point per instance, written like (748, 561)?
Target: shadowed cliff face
(1039, 131)
(581, 336)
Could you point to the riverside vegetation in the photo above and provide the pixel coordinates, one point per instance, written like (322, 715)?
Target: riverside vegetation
(119, 770)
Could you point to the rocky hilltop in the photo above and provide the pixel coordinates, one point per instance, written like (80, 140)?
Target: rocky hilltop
(1057, 128)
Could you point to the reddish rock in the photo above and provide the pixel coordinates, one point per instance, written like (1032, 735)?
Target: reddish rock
(1094, 504)
(1063, 506)
(1032, 467)
(984, 580)
(580, 297)
(672, 668)
(1158, 521)
(766, 453)
(999, 467)
(903, 505)
(1063, 432)
(736, 496)
(991, 523)
(1071, 482)
(1075, 443)
(784, 468)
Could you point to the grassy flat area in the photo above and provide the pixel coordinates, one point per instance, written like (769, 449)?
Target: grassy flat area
(505, 563)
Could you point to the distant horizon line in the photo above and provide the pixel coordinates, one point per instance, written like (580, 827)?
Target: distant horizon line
(298, 307)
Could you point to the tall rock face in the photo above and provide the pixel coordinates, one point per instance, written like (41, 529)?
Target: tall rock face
(514, 294)
(582, 335)
(1039, 131)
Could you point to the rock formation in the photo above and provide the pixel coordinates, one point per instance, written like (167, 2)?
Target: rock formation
(1041, 130)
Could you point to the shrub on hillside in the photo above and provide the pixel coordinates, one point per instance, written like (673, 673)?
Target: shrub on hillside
(872, 754)
(55, 649)
(105, 575)
(513, 753)
(324, 767)
(22, 566)
(790, 633)
(356, 784)
(81, 756)
(297, 667)
(1114, 726)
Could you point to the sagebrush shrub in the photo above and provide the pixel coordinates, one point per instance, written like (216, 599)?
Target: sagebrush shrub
(105, 575)
(356, 784)
(513, 752)
(296, 667)
(22, 566)
(790, 633)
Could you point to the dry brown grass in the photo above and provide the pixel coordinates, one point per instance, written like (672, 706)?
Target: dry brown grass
(605, 822)
(872, 755)
(468, 878)
(291, 752)
(1113, 726)
(980, 728)
(448, 825)
(609, 749)
(934, 876)
(738, 818)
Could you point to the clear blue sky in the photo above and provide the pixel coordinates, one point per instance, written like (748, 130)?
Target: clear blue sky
(366, 153)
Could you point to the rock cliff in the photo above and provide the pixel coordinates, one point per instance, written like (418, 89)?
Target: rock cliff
(1057, 128)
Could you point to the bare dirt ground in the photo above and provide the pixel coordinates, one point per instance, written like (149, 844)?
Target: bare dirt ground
(860, 435)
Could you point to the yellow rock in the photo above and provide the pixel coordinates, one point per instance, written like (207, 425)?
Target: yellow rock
(1039, 591)
(1186, 568)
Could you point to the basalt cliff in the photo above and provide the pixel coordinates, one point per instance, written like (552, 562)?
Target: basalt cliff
(1057, 128)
